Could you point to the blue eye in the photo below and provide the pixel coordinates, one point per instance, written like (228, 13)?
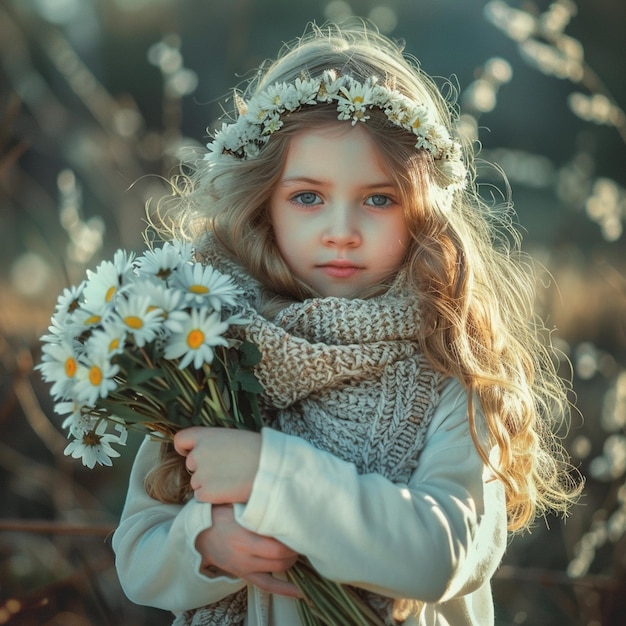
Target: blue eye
(379, 200)
(307, 198)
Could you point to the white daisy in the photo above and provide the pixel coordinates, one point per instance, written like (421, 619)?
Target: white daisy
(59, 366)
(107, 341)
(93, 445)
(83, 419)
(257, 114)
(161, 262)
(69, 300)
(272, 124)
(306, 91)
(95, 378)
(185, 250)
(261, 116)
(123, 262)
(102, 287)
(62, 328)
(217, 146)
(86, 320)
(193, 337)
(358, 95)
(160, 297)
(74, 412)
(140, 319)
(204, 284)
(268, 99)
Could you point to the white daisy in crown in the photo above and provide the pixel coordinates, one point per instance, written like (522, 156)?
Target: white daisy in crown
(261, 116)
(304, 92)
(269, 100)
(352, 103)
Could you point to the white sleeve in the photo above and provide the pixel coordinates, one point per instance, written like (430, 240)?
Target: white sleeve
(440, 535)
(155, 556)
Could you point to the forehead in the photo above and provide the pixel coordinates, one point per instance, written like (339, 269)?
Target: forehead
(335, 148)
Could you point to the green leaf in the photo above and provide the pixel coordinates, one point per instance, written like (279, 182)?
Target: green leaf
(247, 381)
(198, 400)
(168, 395)
(137, 377)
(250, 355)
(123, 411)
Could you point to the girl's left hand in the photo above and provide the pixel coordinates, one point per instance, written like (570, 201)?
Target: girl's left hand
(222, 462)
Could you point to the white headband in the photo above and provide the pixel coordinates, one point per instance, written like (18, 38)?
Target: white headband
(260, 117)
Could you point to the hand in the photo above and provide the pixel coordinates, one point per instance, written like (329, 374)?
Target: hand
(222, 462)
(243, 554)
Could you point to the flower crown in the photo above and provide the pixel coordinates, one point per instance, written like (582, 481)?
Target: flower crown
(260, 117)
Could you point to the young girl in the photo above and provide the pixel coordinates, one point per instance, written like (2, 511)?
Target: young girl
(408, 396)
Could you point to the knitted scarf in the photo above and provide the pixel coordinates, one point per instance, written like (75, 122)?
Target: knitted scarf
(347, 376)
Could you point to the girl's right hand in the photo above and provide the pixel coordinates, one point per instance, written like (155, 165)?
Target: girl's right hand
(230, 548)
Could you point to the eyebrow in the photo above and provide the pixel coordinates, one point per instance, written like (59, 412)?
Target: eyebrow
(290, 180)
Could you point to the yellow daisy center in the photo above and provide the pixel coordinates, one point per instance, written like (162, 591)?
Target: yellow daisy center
(195, 338)
(109, 294)
(357, 99)
(70, 367)
(134, 322)
(95, 375)
(94, 319)
(199, 289)
(114, 345)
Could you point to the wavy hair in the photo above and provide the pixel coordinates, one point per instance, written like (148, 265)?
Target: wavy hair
(475, 286)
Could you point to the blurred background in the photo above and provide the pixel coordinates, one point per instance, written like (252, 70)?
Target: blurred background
(97, 100)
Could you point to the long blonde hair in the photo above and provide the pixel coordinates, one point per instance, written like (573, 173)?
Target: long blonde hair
(475, 287)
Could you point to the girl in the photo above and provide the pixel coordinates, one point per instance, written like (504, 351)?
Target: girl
(408, 397)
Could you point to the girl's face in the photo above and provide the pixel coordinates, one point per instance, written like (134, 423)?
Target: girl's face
(335, 212)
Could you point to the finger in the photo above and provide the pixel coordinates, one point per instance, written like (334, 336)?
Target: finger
(270, 566)
(271, 584)
(270, 548)
(185, 440)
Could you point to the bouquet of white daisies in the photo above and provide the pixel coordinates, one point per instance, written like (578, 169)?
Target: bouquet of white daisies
(143, 343)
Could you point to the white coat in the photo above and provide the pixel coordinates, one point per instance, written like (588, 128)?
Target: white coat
(438, 539)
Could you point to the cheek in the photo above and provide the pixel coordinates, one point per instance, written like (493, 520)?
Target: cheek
(288, 238)
(398, 241)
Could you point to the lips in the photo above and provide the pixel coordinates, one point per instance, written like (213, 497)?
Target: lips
(340, 268)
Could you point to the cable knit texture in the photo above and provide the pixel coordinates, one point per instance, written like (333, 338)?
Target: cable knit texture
(347, 376)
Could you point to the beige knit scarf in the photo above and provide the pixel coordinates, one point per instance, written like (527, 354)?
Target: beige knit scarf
(348, 376)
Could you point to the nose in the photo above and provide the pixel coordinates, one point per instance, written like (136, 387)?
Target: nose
(342, 228)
